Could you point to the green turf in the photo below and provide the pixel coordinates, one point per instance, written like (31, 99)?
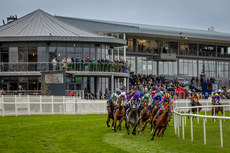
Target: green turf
(88, 133)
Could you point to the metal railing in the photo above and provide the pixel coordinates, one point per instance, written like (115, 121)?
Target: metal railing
(73, 66)
(42, 105)
(180, 118)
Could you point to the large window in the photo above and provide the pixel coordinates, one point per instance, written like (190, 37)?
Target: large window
(187, 67)
(146, 45)
(4, 54)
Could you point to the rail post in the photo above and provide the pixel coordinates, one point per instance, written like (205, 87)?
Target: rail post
(204, 122)
(191, 129)
(40, 104)
(3, 106)
(175, 122)
(28, 101)
(221, 134)
(214, 114)
(52, 104)
(16, 109)
(183, 118)
(178, 126)
(197, 114)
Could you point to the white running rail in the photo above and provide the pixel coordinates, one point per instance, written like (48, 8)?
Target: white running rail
(180, 114)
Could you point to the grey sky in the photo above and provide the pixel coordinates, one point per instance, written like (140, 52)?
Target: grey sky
(196, 14)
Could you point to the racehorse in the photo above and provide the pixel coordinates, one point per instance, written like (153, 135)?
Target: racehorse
(132, 118)
(144, 117)
(162, 121)
(194, 110)
(217, 109)
(119, 114)
(110, 108)
(154, 112)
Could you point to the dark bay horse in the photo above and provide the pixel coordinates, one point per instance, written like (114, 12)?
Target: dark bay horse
(154, 112)
(162, 121)
(194, 110)
(110, 108)
(217, 109)
(144, 118)
(119, 114)
(132, 118)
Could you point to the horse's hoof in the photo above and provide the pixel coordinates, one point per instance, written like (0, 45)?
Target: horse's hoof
(108, 125)
(119, 129)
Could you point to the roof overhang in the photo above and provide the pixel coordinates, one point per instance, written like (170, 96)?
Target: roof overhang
(111, 41)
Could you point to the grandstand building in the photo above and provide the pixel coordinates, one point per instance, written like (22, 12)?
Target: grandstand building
(28, 45)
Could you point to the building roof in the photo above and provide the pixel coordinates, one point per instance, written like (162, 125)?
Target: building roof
(114, 26)
(39, 25)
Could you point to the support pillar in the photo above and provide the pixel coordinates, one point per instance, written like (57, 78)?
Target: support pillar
(118, 47)
(112, 84)
(98, 83)
(124, 37)
(127, 84)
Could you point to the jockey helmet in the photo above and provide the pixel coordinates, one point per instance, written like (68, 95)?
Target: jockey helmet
(146, 96)
(167, 96)
(136, 95)
(114, 96)
(216, 94)
(153, 92)
(142, 94)
(158, 95)
(123, 94)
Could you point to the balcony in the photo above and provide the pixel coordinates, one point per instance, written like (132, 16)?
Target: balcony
(74, 66)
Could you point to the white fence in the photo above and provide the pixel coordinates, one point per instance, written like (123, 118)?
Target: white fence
(31, 104)
(180, 118)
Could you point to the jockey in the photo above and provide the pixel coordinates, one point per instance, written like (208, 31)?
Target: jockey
(153, 94)
(162, 104)
(148, 97)
(114, 98)
(135, 98)
(157, 97)
(195, 98)
(125, 100)
(217, 98)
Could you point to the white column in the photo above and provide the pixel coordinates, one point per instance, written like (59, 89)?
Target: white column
(124, 47)
(40, 104)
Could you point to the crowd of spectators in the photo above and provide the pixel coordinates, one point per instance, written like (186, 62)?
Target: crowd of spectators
(87, 64)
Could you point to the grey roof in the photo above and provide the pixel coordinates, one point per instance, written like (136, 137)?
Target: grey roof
(39, 25)
(123, 27)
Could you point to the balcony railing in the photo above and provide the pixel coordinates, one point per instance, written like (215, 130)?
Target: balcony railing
(75, 66)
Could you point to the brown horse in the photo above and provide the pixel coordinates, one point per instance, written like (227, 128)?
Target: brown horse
(144, 117)
(217, 109)
(110, 108)
(162, 121)
(119, 114)
(154, 112)
(194, 110)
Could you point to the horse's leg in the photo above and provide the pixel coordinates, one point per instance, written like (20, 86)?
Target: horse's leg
(134, 129)
(115, 123)
(119, 125)
(108, 120)
(143, 129)
(154, 133)
(140, 125)
(160, 133)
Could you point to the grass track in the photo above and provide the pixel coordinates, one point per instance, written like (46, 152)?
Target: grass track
(88, 133)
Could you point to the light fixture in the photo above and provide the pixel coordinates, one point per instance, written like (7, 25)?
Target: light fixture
(33, 54)
(59, 54)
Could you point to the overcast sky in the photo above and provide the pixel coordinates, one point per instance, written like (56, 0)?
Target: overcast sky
(195, 14)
